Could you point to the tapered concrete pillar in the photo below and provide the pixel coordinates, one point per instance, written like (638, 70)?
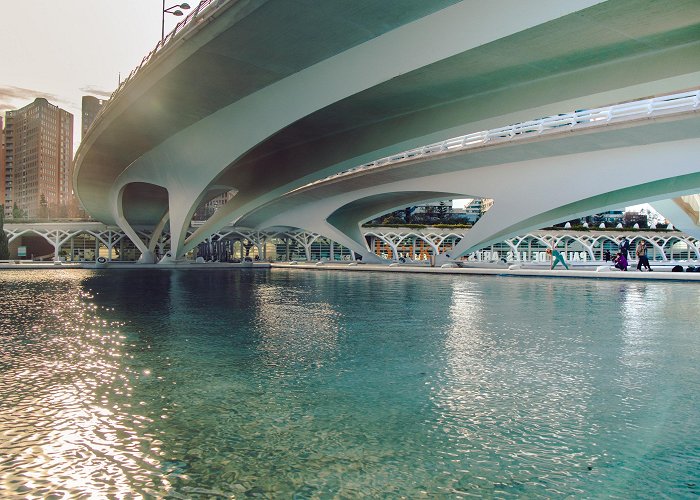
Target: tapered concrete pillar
(157, 233)
(147, 256)
(182, 206)
(682, 212)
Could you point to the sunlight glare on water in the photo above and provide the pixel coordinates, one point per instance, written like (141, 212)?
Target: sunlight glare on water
(321, 384)
(66, 425)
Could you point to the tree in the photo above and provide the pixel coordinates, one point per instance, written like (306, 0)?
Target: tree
(408, 212)
(44, 210)
(4, 247)
(61, 211)
(393, 220)
(442, 211)
(18, 213)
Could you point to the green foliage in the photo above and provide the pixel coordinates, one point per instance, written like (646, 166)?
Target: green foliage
(43, 207)
(393, 220)
(410, 226)
(449, 226)
(18, 213)
(551, 228)
(441, 211)
(610, 229)
(419, 226)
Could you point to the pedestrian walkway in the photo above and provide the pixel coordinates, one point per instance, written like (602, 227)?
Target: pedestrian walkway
(502, 271)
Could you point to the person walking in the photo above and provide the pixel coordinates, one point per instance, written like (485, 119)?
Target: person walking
(642, 259)
(556, 257)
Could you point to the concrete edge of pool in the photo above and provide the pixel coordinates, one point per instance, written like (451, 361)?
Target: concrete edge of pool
(633, 274)
(558, 273)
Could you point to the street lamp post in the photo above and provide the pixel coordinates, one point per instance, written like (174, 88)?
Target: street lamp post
(169, 10)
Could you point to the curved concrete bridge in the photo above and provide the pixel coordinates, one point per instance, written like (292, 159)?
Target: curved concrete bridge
(243, 99)
(538, 173)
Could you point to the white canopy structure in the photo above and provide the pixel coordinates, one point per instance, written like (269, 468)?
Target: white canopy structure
(240, 99)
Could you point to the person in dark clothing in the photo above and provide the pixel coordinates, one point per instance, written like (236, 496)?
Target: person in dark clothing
(624, 247)
(642, 259)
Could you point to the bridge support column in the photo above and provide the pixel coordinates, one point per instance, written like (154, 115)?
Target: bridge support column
(147, 256)
(157, 233)
(56, 248)
(550, 196)
(110, 239)
(181, 210)
(59, 238)
(367, 255)
(680, 213)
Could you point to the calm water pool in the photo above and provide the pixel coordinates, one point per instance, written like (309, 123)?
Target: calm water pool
(294, 384)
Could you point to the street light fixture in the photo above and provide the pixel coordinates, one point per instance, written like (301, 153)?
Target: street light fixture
(169, 10)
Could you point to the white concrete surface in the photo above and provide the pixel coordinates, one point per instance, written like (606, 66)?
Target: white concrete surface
(556, 273)
(268, 119)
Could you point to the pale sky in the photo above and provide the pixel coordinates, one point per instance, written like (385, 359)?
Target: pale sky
(65, 49)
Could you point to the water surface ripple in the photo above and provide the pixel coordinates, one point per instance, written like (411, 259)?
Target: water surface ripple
(344, 385)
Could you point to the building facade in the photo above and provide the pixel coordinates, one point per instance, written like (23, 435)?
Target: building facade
(3, 180)
(91, 106)
(609, 218)
(207, 209)
(39, 161)
(472, 212)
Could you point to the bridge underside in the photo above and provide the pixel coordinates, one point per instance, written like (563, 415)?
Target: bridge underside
(533, 184)
(294, 102)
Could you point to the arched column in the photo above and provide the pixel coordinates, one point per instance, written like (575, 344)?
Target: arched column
(181, 211)
(305, 239)
(550, 198)
(109, 238)
(147, 256)
(158, 233)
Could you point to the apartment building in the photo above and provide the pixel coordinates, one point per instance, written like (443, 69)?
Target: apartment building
(39, 160)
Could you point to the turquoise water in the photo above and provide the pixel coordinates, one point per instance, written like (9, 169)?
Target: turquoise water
(294, 384)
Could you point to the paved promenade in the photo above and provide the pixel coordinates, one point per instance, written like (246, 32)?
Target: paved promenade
(502, 271)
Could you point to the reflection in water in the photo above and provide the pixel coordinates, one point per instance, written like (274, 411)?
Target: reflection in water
(322, 384)
(283, 312)
(508, 382)
(65, 422)
(644, 312)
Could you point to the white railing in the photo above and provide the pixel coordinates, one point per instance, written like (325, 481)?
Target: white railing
(563, 123)
(204, 5)
(201, 7)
